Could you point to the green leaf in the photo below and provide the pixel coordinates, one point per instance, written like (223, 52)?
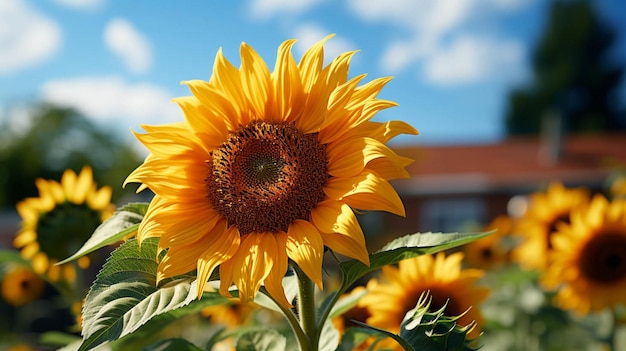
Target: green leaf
(172, 345)
(353, 337)
(346, 303)
(123, 222)
(329, 338)
(125, 296)
(403, 248)
(57, 338)
(261, 340)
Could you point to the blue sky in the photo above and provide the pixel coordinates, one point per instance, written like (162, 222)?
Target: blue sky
(120, 62)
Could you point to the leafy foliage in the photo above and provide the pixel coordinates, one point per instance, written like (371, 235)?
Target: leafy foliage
(406, 247)
(125, 296)
(261, 340)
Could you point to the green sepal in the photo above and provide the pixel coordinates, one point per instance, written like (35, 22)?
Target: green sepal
(433, 330)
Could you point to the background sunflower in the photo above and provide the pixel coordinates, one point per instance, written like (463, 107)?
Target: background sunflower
(60, 220)
(546, 212)
(389, 300)
(589, 258)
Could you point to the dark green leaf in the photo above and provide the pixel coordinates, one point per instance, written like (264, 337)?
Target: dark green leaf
(406, 247)
(124, 222)
(125, 296)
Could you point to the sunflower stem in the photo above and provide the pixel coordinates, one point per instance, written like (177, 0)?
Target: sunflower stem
(306, 308)
(303, 340)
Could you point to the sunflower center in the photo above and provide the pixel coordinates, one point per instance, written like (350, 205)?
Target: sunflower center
(267, 175)
(603, 259)
(65, 229)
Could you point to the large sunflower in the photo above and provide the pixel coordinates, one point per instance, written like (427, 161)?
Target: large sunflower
(58, 222)
(546, 212)
(389, 301)
(268, 167)
(589, 258)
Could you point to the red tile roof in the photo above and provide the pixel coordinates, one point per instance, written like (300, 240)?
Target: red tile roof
(515, 163)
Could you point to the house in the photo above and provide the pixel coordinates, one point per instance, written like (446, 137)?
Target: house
(454, 187)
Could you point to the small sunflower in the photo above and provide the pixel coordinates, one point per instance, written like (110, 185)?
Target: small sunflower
(267, 168)
(441, 276)
(490, 251)
(546, 212)
(60, 220)
(589, 258)
(20, 285)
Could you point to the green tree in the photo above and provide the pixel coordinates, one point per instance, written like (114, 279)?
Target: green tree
(55, 139)
(573, 74)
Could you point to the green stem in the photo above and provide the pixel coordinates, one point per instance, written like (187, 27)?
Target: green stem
(306, 308)
(303, 340)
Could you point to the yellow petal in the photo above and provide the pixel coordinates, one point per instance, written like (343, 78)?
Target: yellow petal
(214, 106)
(273, 282)
(250, 265)
(348, 157)
(220, 249)
(68, 181)
(337, 218)
(306, 248)
(24, 237)
(101, 199)
(84, 183)
(255, 79)
(227, 78)
(30, 250)
(40, 263)
(365, 191)
(287, 86)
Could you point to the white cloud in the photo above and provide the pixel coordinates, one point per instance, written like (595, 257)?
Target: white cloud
(81, 4)
(264, 9)
(437, 30)
(130, 45)
(471, 58)
(27, 38)
(111, 99)
(309, 34)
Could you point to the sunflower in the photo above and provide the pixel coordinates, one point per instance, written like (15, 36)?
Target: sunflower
(490, 251)
(546, 212)
(441, 276)
(589, 258)
(60, 220)
(20, 285)
(267, 168)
